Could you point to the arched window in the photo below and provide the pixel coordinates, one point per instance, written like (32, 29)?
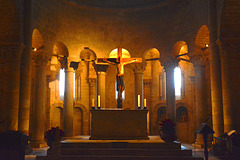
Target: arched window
(182, 114)
(62, 84)
(177, 82)
(161, 114)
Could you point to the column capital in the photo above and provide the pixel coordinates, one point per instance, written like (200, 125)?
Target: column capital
(228, 50)
(199, 60)
(139, 67)
(11, 52)
(41, 57)
(170, 64)
(100, 67)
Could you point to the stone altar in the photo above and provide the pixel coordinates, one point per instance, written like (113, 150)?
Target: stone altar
(118, 124)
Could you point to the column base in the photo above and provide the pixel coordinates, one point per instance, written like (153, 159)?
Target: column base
(38, 144)
(200, 142)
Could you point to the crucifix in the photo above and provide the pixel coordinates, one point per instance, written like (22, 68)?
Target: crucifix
(119, 62)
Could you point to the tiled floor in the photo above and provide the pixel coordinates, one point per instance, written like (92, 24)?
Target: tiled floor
(43, 151)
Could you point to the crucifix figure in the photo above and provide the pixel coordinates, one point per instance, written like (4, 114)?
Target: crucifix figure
(119, 62)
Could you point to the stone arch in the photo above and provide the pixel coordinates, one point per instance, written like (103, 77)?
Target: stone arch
(88, 54)
(179, 48)
(37, 40)
(202, 37)
(10, 22)
(60, 49)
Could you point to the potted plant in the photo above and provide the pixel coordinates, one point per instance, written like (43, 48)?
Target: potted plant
(53, 135)
(167, 131)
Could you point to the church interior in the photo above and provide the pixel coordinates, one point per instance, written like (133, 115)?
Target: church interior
(50, 76)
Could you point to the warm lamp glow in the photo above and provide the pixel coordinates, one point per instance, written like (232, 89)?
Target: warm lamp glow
(206, 45)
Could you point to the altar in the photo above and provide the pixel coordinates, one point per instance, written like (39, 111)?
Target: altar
(118, 124)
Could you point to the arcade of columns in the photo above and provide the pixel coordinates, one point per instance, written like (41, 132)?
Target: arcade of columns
(18, 86)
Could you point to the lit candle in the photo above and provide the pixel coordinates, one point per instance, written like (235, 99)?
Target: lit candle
(92, 102)
(145, 102)
(138, 100)
(98, 100)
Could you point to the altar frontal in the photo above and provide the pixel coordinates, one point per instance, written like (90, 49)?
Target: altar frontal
(118, 124)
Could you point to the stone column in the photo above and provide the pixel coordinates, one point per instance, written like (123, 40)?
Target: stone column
(169, 67)
(101, 70)
(11, 55)
(199, 62)
(25, 76)
(227, 58)
(37, 128)
(68, 100)
(215, 72)
(138, 69)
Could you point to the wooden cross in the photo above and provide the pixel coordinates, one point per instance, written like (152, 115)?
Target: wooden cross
(119, 62)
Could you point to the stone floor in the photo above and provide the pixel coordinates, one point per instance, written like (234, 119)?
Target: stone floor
(43, 151)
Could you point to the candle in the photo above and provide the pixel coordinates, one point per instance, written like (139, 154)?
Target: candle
(92, 102)
(138, 100)
(145, 102)
(98, 100)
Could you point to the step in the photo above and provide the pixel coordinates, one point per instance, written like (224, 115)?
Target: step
(125, 151)
(75, 157)
(122, 145)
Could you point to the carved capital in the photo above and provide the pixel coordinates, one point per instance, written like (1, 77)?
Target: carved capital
(100, 67)
(11, 52)
(170, 64)
(139, 67)
(41, 57)
(199, 59)
(228, 50)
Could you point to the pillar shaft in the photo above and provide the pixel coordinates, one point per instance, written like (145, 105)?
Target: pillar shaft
(101, 70)
(227, 59)
(170, 95)
(138, 69)
(101, 80)
(215, 72)
(199, 62)
(13, 52)
(25, 78)
(37, 128)
(68, 103)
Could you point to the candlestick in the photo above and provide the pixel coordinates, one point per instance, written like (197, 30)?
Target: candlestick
(99, 101)
(145, 104)
(138, 100)
(93, 105)
(92, 102)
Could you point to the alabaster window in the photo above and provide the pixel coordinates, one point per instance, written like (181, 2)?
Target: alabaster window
(178, 82)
